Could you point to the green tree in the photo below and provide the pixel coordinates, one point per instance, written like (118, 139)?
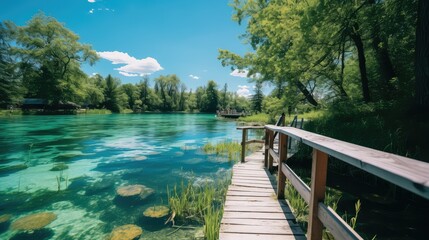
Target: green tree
(258, 97)
(224, 97)
(51, 57)
(212, 97)
(167, 88)
(94, 91)
(422, 57)
(132, 94)
(11, 91)
(112, 94)
(200, 97)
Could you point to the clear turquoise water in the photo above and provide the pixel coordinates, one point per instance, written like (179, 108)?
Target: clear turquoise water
(102, 152)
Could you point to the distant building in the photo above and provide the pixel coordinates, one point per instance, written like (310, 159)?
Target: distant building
(34, 103)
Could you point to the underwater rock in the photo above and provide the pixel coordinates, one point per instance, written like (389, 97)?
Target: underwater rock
(126, 232)
(68, 156)
(4, 218)
(59, 167)
(100, 186)
(134, 190)
(156, 211)
(139, 158)
(34, 221)
(179, 154)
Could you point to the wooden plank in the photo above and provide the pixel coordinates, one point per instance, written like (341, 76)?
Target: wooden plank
(250, 127)
(407, 173)
(258, 215)
(250, 198)
(252, 181)
(250, 194)
(319, 170)
(251, 208)
(282, 158)
(257, 229)
(297, 183)
(250, 178)
(256, 222)
(249, 189)
(246, 208)
(252, 204)
(252, 185)
(235, 236)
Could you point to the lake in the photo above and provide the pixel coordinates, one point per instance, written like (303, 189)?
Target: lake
(98, 154)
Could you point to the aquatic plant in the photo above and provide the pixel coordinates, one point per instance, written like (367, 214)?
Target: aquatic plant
(201, 204)
(232, 150)
(61, 178)
(212, 220)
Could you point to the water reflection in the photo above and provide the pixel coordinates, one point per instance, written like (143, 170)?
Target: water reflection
(101, 153)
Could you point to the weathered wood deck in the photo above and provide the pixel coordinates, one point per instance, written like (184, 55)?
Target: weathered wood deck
(252, 210)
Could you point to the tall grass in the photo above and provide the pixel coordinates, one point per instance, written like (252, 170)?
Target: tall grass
(257, 119)
(231, 150)
(300, 207)
(199, 204)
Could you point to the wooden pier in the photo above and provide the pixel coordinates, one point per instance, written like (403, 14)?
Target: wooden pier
(252, 210)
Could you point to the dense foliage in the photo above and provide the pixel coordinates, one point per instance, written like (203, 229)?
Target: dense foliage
(318, 51)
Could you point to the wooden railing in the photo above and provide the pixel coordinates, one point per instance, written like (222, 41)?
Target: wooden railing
(407, 173)
(244, 142)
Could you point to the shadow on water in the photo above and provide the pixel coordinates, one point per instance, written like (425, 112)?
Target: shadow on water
(40, 234)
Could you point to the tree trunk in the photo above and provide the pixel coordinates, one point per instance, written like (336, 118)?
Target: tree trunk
(382, 54)
(308, 96)
(422, 57)
(355, 36)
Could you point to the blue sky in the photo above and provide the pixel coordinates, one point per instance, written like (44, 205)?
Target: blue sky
(156, 37)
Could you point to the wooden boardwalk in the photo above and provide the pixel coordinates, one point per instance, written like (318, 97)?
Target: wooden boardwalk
(252, 210)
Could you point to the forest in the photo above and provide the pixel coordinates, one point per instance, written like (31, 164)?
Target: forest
(364, 62)
(43, 60)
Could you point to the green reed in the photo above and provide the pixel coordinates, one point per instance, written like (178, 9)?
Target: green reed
(199, 204)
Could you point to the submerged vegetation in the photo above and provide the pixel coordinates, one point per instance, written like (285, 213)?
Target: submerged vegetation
(190, 204)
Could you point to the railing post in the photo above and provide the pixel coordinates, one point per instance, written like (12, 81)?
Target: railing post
(271, 144)
(243, 144)
(318, 186)
(267, 133)
(282, 158)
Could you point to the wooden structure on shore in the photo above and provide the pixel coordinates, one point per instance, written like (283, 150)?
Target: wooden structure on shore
(248, 213)
(230, 114)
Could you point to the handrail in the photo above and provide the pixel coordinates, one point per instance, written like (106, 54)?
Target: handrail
(408, 173)
(280, 122)
(244, 138)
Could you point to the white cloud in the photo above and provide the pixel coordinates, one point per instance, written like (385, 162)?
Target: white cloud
(194, 77)
(132, 66)
(239, 73)
(91, 1)
(243, 91)
(129, 74)
(91, 11)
